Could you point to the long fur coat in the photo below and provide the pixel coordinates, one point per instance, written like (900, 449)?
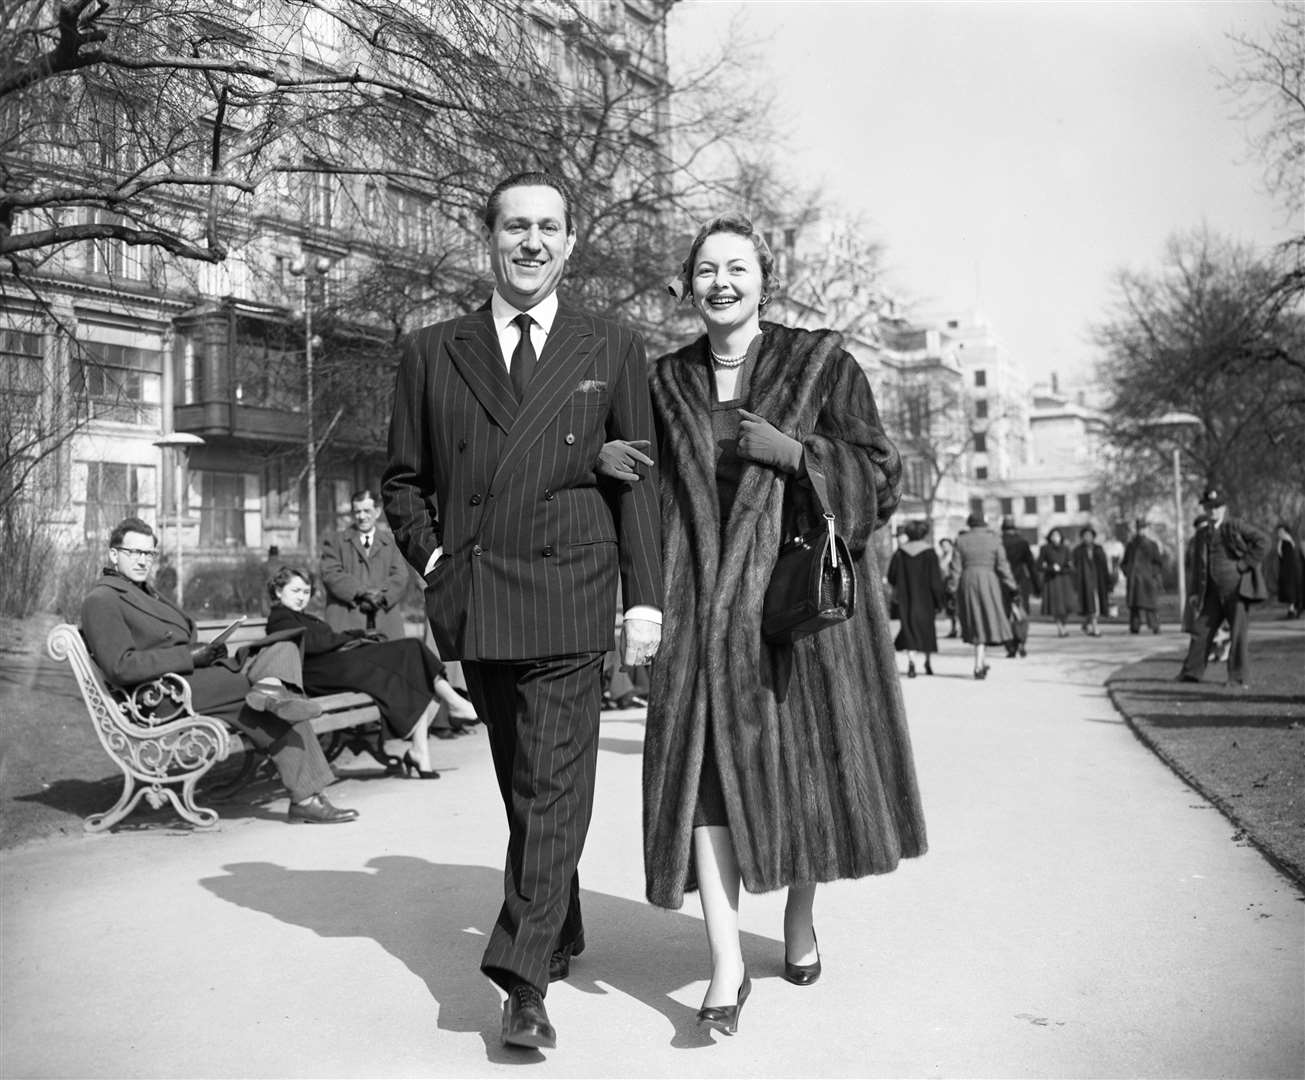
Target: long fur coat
(810, 739)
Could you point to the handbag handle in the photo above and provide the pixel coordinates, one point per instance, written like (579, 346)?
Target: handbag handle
(817, 482)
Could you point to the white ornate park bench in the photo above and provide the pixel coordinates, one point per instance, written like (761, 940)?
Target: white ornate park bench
(164, 748)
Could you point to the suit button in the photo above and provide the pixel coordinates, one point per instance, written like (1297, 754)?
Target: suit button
(548, 552)
(475, 500)
(569, 439)
(548, 495)
(478, 550)
(462, 444)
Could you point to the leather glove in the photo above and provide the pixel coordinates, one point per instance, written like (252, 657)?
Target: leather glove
(365, 604)
(202, 656)
(762, 442)
(618, 459)
(639, 641)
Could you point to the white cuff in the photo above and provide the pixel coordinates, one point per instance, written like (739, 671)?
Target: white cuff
(645, 612)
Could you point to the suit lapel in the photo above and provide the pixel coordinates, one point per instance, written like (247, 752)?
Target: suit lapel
(479, 361)
(565, 358)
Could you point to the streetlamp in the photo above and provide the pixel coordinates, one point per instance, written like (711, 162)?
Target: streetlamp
(306, 269)
(1174, 422)
(179, 442)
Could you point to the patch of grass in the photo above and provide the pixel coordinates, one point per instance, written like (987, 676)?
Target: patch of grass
(1244, 750)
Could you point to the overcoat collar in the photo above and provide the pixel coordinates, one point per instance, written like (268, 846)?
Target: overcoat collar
(151, 603)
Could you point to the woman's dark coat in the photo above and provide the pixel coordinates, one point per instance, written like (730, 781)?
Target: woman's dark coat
(1091, 578)
(398, 674)
(1059, 597)
(982, 583)
(1291, 574)
(810, 739)
(917, 583)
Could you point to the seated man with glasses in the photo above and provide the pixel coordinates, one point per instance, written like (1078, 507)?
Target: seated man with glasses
(135, 635)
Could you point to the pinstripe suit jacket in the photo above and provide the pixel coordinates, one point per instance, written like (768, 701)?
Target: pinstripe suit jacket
(532, 545)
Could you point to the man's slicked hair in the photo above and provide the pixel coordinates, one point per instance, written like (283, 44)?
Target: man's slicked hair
(528, 179)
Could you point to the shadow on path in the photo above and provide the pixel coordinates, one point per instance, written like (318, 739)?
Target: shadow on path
(432, 918)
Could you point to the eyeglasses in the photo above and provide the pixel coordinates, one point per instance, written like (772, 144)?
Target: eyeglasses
(137, 553)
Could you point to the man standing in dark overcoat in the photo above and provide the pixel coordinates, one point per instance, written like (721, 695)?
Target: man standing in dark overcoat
(1226, 579)
(499, 418)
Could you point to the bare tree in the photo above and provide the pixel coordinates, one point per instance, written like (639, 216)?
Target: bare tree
(1206, 334)
(1270, 84)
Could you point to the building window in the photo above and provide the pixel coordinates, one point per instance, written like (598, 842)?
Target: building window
(114, 491)
(1007, 506)
(981, 472)
(981, 409)
(1030, 504)
(980, 378)
(320, 201)
(976, 505)
(1085, 501)
(980, 442)
(1058, 503)
(22, 356)
(119, 382)
(115, 258)
(222, 508)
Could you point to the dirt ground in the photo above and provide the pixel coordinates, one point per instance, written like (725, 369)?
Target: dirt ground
(1244, 750)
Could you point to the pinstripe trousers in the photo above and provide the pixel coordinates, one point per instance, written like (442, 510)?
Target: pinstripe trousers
(542, 717)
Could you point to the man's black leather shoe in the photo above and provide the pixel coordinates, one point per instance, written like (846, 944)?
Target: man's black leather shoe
(525, 1021)
(559, 964)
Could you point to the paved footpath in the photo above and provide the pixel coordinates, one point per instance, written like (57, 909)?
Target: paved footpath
(1081, 913)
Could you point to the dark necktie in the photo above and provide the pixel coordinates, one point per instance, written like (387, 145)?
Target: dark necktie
(367, 542)
(523, 357)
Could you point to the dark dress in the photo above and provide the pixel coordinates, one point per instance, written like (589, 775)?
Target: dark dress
(399, 675)
(1291, 575)
(1058, 595)
(917, 583)
(1091, 574)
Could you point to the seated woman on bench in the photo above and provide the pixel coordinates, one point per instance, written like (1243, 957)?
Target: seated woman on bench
(405, 678)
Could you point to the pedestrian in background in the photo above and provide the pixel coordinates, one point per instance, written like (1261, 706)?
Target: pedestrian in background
(981, 579)
(1291, 572)
(1091, 573)
(1225, 580)
(364, 574)
(1025, 571)
(767, 765)
(1055, 569)
(1141, 565)
(946, 546)
(917, 583)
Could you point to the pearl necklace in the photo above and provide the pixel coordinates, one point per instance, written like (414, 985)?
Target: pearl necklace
(728, 361)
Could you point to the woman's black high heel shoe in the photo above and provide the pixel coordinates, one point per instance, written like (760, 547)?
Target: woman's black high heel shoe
(411, 766)
(726, 1017)
(928, 668)
(803, 974)
(910, 670)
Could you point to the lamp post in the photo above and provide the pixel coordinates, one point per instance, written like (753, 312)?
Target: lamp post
(179, 442)
(1173, 422)
(306, 269)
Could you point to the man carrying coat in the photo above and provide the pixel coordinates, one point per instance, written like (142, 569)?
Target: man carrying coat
(499, 418)
(1225, 579)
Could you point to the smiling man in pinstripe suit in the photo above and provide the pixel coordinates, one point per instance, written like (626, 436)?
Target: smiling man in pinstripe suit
(499, 417)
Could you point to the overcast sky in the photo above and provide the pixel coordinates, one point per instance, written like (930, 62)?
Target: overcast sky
(1012, 156)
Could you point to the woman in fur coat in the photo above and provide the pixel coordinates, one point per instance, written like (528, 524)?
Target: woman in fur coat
(766, 765)
(1055, 569)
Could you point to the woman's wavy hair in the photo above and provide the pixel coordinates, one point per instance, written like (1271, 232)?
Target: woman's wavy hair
(917, 530)
(281, 578)
(739, 225)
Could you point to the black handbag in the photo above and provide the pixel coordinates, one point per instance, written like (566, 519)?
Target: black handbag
(813, 585)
